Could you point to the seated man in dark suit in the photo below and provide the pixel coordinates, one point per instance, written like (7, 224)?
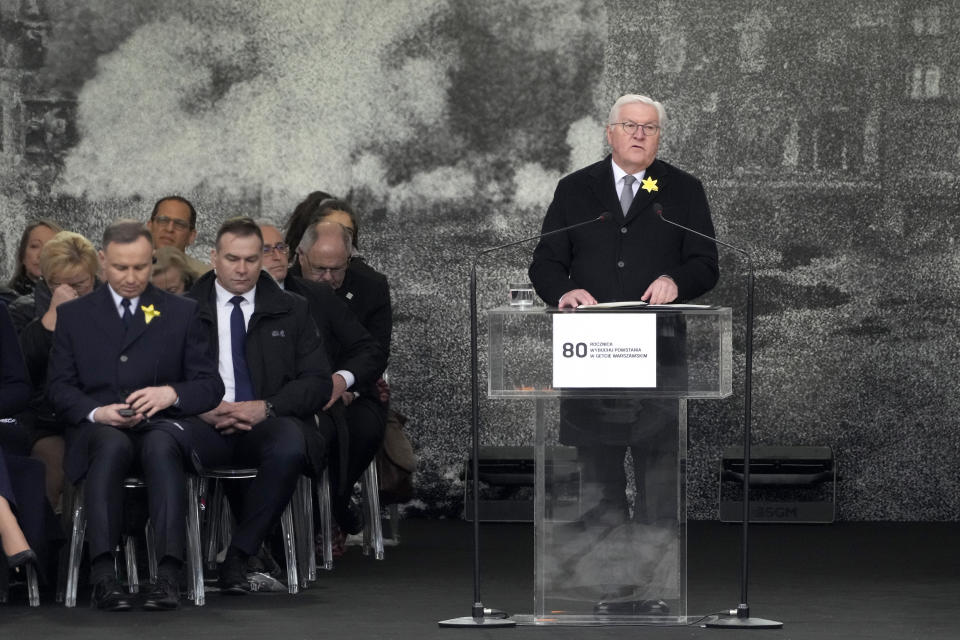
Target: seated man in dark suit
(276, 378)
(324, 255)
(130, 367)
(356, 357)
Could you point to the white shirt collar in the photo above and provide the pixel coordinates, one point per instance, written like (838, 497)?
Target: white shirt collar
(618, 173)
(224, 296)
(118, 300)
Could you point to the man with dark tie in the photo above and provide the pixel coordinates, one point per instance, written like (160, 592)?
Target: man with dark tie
(276, 378)
(324, 255)
(634, 256)
(356, 358)
(130, 368)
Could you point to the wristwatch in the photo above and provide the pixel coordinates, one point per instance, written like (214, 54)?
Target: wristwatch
(270, 412)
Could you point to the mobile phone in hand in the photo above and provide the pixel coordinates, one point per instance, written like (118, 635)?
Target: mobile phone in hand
(126, 413)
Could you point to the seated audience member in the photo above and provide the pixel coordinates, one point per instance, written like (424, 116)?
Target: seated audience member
(276, 378)
(130, 368)
(28, 255)
(173, 223)
(171, 273)
(357, 360)
(23, 509)
(69, 266)
(302, 217)
(324, 256)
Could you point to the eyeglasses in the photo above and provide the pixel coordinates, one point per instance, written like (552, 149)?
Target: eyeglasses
(180, 225)
(630, 128)
(280, 247)
(325, 271)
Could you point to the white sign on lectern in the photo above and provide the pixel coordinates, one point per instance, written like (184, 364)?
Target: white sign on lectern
(604, 350)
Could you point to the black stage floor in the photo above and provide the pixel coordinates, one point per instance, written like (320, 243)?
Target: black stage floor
(850, 580)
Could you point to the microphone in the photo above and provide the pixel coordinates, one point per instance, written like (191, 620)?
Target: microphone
(658, 209)
(603, 217)
(479, 615)
(747, 423)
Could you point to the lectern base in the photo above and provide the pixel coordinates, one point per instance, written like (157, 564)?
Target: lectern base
(470, 621)
(735, 622)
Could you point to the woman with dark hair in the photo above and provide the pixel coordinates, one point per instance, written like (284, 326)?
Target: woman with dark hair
(301, 218)
(28, 255)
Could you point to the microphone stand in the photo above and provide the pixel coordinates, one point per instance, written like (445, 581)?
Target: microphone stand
(740, 618)
(479, 615)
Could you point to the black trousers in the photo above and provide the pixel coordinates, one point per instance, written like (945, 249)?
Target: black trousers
(115, 454)
(277, 449)
(602, 431)
(366, 421)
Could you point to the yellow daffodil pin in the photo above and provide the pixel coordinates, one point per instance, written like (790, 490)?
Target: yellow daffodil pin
(649, 185)
(149, 313)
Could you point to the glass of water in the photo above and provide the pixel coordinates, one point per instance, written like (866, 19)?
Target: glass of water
(521, 294)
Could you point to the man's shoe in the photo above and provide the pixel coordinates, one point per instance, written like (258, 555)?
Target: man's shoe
(349, 516)
(233, 576)
(108, 595)
(164, 595)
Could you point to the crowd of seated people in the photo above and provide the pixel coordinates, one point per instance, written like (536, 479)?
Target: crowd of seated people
(135, 358)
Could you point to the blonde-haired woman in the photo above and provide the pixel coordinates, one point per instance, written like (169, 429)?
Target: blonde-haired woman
(69, 266)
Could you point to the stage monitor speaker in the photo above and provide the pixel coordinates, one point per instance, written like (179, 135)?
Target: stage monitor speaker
(787, 484)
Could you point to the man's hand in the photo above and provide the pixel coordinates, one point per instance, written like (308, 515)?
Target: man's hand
(246, 414)
(221, 419)
(150, 400)
(663, 290)
(107, 414)
(339, 387)
(575, 298)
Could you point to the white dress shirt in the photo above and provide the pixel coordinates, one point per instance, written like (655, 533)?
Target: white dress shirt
(618, 176)
(225, 346)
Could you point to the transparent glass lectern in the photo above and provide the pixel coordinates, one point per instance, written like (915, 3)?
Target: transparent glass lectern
(609, 499)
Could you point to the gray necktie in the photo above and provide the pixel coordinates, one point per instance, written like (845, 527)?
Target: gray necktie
(626, 196)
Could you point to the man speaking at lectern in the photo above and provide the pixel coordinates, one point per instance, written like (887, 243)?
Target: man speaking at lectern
(633, 255)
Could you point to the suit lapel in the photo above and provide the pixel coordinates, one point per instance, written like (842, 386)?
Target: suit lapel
(644, 197)
(112, 325)
(605, 189)
(139, 325)
(348, 288)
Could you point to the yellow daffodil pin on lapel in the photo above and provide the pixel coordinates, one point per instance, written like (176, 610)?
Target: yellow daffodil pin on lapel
(149, 313)
(649, 185)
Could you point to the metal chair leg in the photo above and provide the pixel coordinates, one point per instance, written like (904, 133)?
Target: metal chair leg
(195, 589)
(130, 555)
(306, 550)
(76, 548)
(152, 565)
(33, 588)
(326, 519)
(373, 529)
(290, 546)
(213, 525)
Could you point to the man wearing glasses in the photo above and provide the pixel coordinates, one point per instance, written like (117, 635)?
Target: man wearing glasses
(357, 361)
(173, 223)
(632, 256)
(324, 255)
